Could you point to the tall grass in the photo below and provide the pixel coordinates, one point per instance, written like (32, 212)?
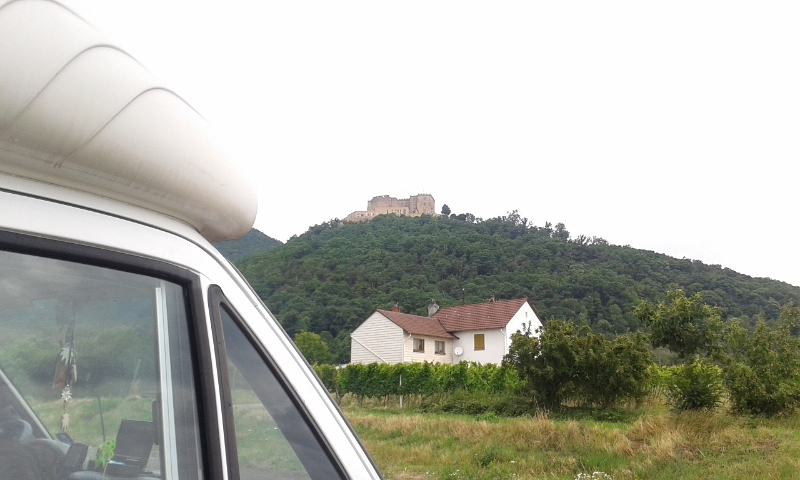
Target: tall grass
(654, 444)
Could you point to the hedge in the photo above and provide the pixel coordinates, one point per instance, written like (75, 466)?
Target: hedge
(380, 379)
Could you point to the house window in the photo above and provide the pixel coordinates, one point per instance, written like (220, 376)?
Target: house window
(419, 345)
(479, 345)
(439, 348)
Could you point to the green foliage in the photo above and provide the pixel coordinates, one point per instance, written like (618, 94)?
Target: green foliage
(253, 242)
(104, 454)
(31, 357)
(313, 348)
(658, 379)
(445, 210)
(487, 456)
(484, 405)
(335, 275)
(613, 370)
(696, 385)
(687, 326)
(549, 364)
(564, 363)
(762, 369)
(490, 417)
(380, 379)
(104, 355)
(328, 374)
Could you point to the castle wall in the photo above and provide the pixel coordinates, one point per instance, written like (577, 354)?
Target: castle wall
(414, 206)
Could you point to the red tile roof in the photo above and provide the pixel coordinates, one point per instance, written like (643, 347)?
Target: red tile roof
(480, 316)
(416, 325)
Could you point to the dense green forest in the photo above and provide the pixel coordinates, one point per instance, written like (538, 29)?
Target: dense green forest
(253, 242)
(329, 279)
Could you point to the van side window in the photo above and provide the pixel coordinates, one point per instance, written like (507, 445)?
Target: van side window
(96, 374)
(273, 439)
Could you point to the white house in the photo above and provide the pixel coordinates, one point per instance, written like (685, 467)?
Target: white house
(477, 333)
(394, 337)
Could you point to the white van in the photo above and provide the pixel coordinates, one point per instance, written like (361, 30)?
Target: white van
(129, 347)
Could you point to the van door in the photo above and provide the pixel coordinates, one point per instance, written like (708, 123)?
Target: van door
(270, 434)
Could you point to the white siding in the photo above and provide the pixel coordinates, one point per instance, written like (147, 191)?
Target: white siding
(522, 317)
(410, 356)
(378, 339)
(494, 342)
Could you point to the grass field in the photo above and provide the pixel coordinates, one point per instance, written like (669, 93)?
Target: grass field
(644, 443)
(649, 443)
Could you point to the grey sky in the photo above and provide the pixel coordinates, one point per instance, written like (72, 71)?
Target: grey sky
(670, 127)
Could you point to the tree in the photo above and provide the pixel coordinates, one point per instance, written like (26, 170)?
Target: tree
(547, 364)
(566, 362)
(313, 348)
(445, 210)
(686, 326)
(762, 370)
(612, 370)
(695, 385)
(561, 232)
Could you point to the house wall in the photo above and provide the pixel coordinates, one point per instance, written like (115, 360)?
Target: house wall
(496, 341)
(378, 339)
(523, 315)
(410, 356)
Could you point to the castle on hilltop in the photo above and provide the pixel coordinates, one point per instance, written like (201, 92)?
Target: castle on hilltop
(414, 206)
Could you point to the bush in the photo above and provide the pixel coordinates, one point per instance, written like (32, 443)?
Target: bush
(564, 362)
(468, 403)
(328, 374)
(763, 369)
(686, 326)
(697, 385)
(380, 380)
(480, 403)
(613, 370)
(658, 379)
(548, 364)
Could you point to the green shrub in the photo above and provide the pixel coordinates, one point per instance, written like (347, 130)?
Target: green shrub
(489, 416)
(511, 404)
(697, 385)
(464, 402)
(658, 379)
(686, 326)
(763, 369)
(328, 375)
(488, 456)
(31, 357)
(612, 370)
(380, 380)
(567, 363)
(547, 363)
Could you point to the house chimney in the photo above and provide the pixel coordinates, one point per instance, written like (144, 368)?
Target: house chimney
(396, 307)
(492, 300)
(432, 308)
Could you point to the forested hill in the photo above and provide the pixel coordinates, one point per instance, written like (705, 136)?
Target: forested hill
(253, 242)
(332, 277)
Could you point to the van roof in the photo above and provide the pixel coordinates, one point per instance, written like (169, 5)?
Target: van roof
(81, 113)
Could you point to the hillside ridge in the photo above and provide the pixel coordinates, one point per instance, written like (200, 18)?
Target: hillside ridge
(329, 279)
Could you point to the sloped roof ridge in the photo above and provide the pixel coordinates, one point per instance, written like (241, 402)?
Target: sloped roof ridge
(416, 324)
(479, 316)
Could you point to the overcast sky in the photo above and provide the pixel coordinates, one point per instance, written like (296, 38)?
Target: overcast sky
(669, 126)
